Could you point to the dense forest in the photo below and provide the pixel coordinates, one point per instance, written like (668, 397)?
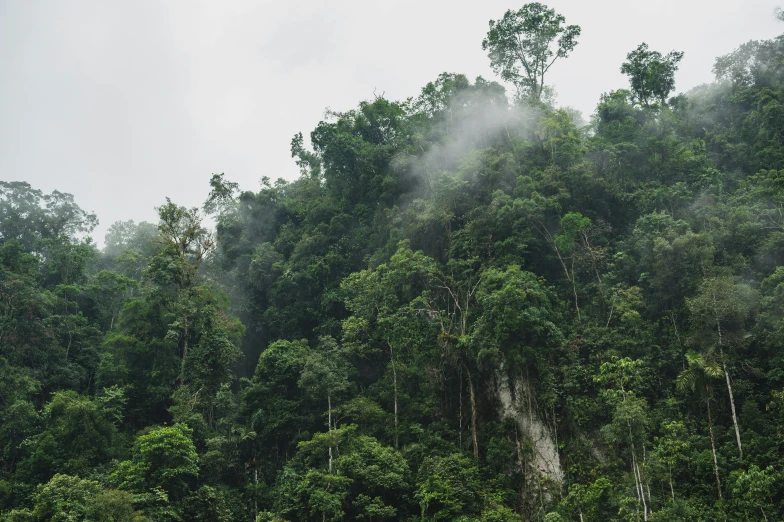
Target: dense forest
(472, 305)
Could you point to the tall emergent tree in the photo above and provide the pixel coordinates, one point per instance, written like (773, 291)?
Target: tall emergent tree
(651, 75)
(696, 378)
(524, 44)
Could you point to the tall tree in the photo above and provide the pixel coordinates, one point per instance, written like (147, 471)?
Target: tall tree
(524, 44)
(187, 243)
(696, 378)
(722, 307)
(651, 75)
(29, 215)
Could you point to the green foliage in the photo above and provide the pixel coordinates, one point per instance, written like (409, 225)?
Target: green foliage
(164, 458)
(651, 75)
(520, 45)
(67, 498)
(464, 309)
(79, 434)
(32, 217)
(448, 487)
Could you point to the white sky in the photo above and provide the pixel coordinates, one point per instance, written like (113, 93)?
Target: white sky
(123, 103)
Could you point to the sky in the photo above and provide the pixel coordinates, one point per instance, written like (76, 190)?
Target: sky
(125, 103)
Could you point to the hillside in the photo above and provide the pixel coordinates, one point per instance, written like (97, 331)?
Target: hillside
(472, 305)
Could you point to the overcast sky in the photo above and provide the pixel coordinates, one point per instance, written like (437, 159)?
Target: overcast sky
(123, 103)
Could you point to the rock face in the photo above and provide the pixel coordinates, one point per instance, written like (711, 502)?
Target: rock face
(517, 402)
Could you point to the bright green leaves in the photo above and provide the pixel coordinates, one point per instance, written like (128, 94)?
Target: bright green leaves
(697, 372)
(69, 498)
(671, 451)
(524, 44)
(587, 501)
(622, 375)
(362, 483)
(753, 491)
(574, 230)
(448, 487)
(164, 458)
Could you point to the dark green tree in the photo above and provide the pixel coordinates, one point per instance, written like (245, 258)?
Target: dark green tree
(651, 75)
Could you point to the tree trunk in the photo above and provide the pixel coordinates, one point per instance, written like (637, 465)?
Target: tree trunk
(729, 385)
(394, 385)
(255, 491)
(574, 289)
(184, 350)
(329, 427)
(640, 485)
(713, 445)
(460, 414)
(732, 403)
(472, 397)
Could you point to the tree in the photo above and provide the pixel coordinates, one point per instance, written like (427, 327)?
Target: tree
(524, 44)
(696, 378)
(124, 235)
(186, 242)
(754, 62)
(753, 489)
(723, 307)
(326, 373)
(221, 196)
(29, 215)
(165, 458)
(66, 498)
(630, 417)
(308, 162)
(413, 291)
(670, 448)
(589, 501)
(652, 76)
(363, 483)
(384, 300)
(448, 487)
(79, 435)
(109, 291)
(182, 228)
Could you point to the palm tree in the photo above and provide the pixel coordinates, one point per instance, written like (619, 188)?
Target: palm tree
(696, 378)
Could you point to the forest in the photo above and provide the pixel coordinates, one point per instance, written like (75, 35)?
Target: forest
(472, 305)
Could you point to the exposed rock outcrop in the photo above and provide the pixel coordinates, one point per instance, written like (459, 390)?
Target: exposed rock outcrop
(517, 402)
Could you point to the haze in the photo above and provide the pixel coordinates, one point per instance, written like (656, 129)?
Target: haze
(125, 103)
